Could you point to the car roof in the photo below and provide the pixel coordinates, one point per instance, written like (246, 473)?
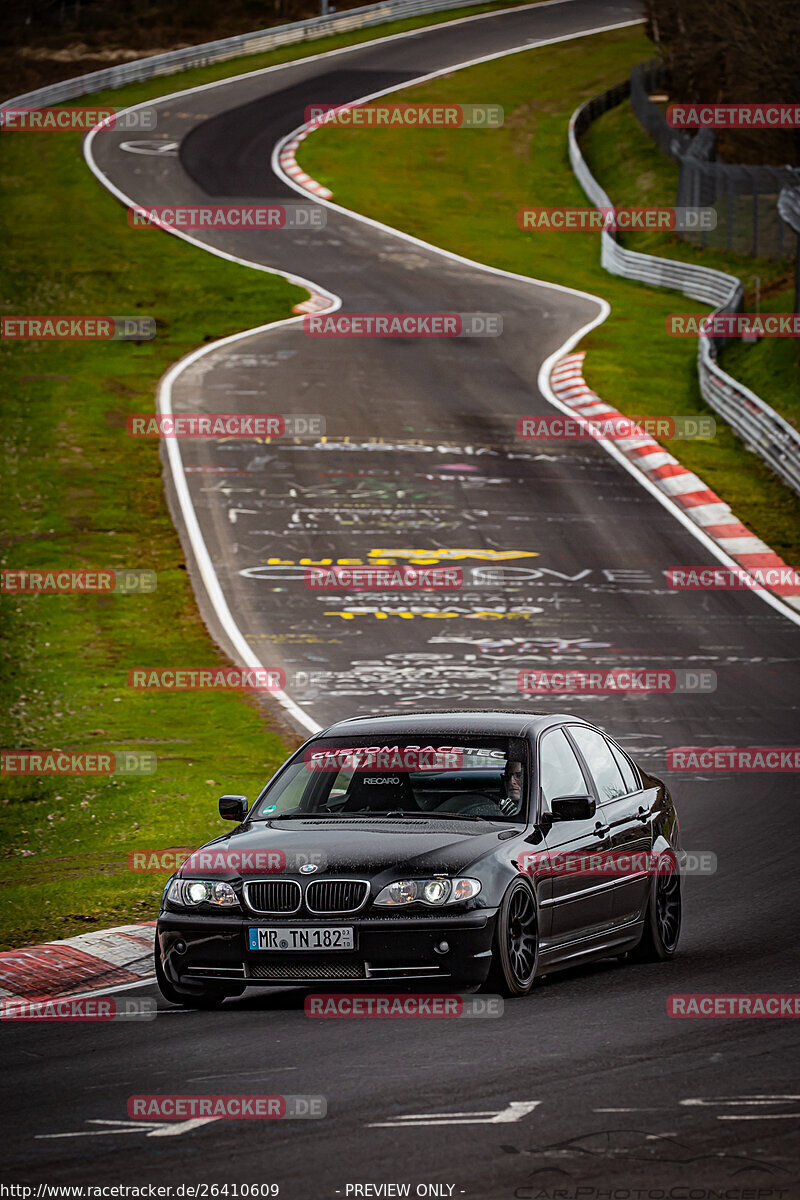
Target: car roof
(473, 722)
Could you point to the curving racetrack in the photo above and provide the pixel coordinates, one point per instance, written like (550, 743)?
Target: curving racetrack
(421, 455)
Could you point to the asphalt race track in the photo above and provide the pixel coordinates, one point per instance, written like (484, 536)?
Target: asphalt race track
(421, 464)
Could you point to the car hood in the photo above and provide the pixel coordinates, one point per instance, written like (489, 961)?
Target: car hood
(350, 847)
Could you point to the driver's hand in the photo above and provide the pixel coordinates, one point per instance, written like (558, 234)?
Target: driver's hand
(507, 805)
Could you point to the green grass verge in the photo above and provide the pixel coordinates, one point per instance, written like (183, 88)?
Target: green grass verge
(771, 367)
(80, 493)
(462, 190)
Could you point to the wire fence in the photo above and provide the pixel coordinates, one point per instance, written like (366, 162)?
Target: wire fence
(745, 197)
(789, 208)
(763, 430)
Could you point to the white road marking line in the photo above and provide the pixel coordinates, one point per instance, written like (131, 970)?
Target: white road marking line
(85, 1133)
(193, 529)
(148, 1128)
(551, 363)
(756, 1099)
(170, 1130)
(242, 649)
(489, 1112)
(151, 147)
(756, 1116)
(514, 1111)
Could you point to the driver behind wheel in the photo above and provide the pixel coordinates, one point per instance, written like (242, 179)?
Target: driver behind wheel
(510, 799)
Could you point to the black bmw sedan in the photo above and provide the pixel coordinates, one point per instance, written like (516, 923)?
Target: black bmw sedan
(460, 849)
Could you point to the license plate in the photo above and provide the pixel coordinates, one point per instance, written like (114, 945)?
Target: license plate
(338, 937)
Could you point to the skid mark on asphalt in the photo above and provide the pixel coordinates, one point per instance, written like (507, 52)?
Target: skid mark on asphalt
(640, 1145)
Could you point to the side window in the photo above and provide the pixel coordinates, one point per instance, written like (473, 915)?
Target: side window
(625, 766)
(559, 770)
(600, 761)
(296, 785)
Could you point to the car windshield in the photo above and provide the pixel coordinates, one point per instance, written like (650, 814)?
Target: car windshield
(478, 779)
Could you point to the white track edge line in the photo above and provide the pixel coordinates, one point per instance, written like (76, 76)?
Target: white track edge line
(665, 500)
(210, 579)
(164, 393)
(543, 380)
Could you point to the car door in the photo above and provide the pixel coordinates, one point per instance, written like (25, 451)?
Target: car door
(577, 904)
(624, 807)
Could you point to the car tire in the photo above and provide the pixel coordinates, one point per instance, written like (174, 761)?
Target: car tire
(207, 998)
(662, 922)
(515, 952)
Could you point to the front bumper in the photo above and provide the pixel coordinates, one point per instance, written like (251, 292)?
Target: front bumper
(201, 950)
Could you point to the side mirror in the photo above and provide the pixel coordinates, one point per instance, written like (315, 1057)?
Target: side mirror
(573, 808)
(233, 808)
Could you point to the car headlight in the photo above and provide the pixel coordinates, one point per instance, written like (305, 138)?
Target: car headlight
(191, 892)
(436, 891)
(433, 892)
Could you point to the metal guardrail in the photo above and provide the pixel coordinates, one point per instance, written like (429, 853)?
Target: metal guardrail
(763, 430)
(233, 47)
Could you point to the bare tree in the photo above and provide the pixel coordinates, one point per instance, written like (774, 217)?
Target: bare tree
(723, 51)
